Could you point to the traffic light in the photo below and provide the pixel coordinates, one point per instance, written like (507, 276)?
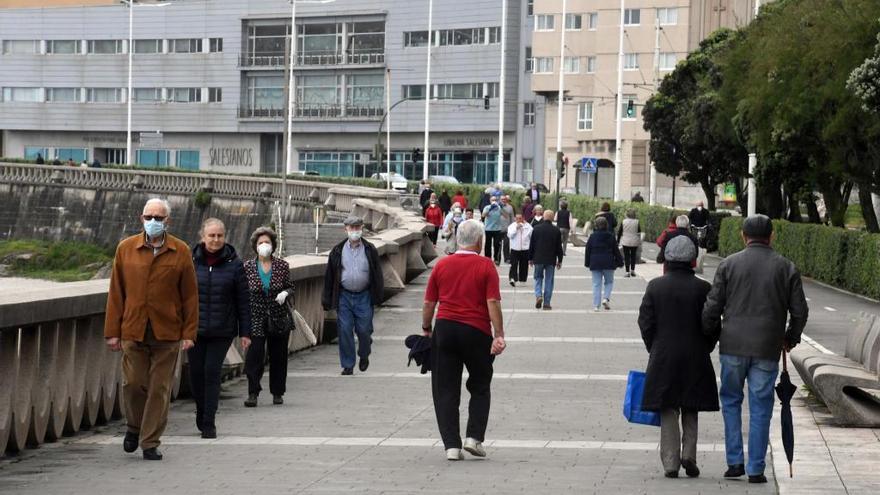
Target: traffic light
(560, 163)
(486, 102)
(630, 109)
(416, 155)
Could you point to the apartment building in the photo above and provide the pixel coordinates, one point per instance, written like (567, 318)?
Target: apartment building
(209, 85)
(657, 34)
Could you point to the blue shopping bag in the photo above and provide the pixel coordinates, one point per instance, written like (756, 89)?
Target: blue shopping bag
(632, 402)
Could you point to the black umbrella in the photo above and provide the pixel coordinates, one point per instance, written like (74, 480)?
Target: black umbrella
(785, 391)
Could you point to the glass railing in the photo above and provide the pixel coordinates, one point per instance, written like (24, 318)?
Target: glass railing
(314, 111)
(311, 59)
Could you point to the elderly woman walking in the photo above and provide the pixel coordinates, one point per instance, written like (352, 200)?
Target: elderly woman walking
(602, 257)
(466, 287)
(270, 286)
(628, 235)
(224, 313)
(680, 378)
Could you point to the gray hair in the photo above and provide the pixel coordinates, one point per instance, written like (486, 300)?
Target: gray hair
(600, 223)
(538, 208)
(682, 221)
(261, 231)
(160, 201)
(631, 213)
(469, 233)
(211, 221)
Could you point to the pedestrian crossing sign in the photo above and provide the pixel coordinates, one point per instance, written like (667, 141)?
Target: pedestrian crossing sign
(589, 165)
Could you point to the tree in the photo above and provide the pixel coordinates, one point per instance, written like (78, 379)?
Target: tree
(690, 135)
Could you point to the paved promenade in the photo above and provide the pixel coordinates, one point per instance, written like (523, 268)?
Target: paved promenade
(555, 427)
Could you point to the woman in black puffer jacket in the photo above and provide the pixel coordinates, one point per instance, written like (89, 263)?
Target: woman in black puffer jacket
(224, 313)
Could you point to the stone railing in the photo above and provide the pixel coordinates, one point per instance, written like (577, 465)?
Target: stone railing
(57, 376)
(233, 186)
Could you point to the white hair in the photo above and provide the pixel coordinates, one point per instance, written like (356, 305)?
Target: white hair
(160, 201)
(469, 233)
(682, 221)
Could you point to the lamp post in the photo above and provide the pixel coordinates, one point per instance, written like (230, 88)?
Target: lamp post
(501, 84)
(618, 173)
(428, 89)
(561, 96)
(131, 5)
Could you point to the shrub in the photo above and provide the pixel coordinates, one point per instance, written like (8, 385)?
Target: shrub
(202, 199)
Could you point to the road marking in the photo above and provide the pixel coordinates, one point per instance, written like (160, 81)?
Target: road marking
(534, 311)
(540, 340)
(829, 308)
(546, 444)
(495, 376)
(528, 291)
(819, 347)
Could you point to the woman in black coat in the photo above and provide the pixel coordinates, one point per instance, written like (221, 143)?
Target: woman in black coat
(224, 313)
(270, 287)
(602, 258)
(680, 378)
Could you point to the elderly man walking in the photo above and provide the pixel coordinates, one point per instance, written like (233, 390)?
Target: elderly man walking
(756, 291)
(466, 287)
(152, 313)
(545, 254)
(353, 285)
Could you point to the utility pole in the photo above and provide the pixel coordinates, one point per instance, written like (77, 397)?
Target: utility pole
(388, 128)
(501, 84)
(561, 97)
(428, 89)
(618, 173)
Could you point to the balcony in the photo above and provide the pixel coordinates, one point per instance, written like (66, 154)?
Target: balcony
(312, 60)
(313, 112)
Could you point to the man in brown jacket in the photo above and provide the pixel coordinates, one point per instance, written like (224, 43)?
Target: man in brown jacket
(152, 313)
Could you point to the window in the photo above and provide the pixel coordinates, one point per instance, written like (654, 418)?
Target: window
(460, 91)
(494, 35)
(266, 92)
(667, 16)
(63, 47)
(146, 95)
(105, 47)
(571, 65)
(21, 47)
(216, 45)
(585, 116)
(530, 62)
(631, 61)
(187, 45)
(492, 89)
(365, 91)
(632, 17)
(414, 92)
(267, 41)
(415, 38)
(543, 65)
(184, 95)
(624, 103)
(63, 95)
(318, 91)
(591, 64)
(366, 37)
(78, 155)
(215, 95)
(317, 41)
(530, 7)
(573, 22)
(544, 22)
(104, 95)
(147, 46)
(188, 159)
(667, 61)
(31, 152)
(593, 21)
(21, 94)
(153, 158)
(529, 113)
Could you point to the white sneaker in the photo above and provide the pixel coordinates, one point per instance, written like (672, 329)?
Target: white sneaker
(454, 455)
(474, 447)
(606, 303)
(597, 309)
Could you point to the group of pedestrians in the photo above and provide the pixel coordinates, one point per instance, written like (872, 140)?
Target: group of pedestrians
(166, 297)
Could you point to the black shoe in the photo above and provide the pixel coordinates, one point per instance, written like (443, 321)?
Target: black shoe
(364, 364)
(277, 400)
(347, 371)
(671, 474)
(512, 283)
(251, 401)
(200, 422)
(152, 454)
(735, 471)
(209, 432)
(497, 262)
(690, 468)
(757, 478)
(547, 307)
(539, 302)
(130, 442)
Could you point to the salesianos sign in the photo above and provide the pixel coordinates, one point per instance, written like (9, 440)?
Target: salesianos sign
(232, 157)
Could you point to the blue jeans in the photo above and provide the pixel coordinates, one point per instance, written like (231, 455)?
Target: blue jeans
(598, 275)
(354, 315)
(544, 281)
(761, 375)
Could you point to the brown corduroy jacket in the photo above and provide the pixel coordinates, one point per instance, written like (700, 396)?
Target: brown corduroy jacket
(161, 289)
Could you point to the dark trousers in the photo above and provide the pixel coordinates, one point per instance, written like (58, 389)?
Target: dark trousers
(433, 235)
(454, 346)
(629, 258)
(519, 265)
(505, 246)
(255, 363)
(493, 245)
(205, 366)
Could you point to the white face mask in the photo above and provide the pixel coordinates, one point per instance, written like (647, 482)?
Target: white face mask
(355, 235)
(264, 249)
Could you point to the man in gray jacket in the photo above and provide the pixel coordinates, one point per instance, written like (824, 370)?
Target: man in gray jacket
(756, 290)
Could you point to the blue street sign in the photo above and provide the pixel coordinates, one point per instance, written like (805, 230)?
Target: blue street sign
(589, 165)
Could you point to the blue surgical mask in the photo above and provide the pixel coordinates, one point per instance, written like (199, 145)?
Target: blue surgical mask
(355, 235)
(154, 228)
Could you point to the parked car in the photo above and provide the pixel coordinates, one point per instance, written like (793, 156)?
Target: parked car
(513, 186)
(305, 172)
(398, 182)
(443, 179)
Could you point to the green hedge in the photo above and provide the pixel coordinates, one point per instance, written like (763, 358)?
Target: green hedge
(843, 258)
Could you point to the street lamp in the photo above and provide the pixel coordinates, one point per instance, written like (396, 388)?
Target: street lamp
(131, 4)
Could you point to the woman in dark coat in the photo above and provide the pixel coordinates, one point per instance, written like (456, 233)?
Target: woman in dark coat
(445, 202)
(680, 378)
(602, 258)
(224, 313)
(270, 287)
(606, 213)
